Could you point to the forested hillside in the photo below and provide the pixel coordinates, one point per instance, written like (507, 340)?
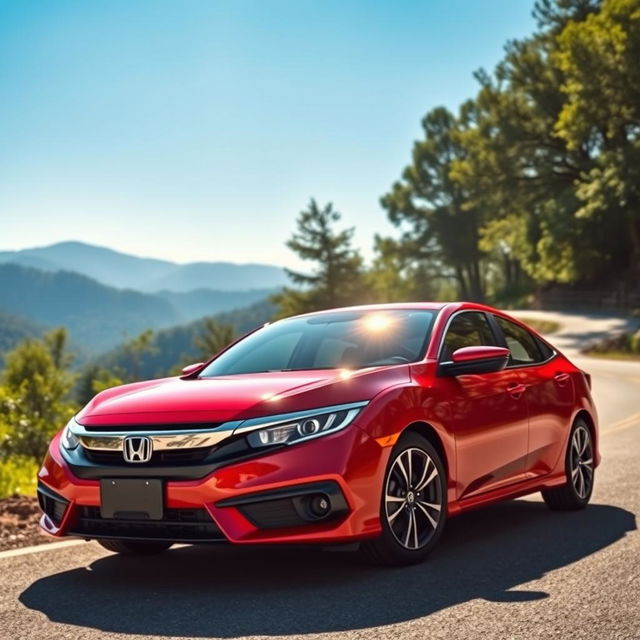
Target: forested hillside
(13, 330)
(169, 348)
(96, 316)
(191, 305)
(99, 317)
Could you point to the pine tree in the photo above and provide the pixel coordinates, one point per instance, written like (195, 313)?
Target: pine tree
(214, 337)
(337, 278)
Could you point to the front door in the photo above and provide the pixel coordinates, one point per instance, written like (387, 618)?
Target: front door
(488, 413)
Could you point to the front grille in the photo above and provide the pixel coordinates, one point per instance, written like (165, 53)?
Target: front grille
(122, 428)
(177, 525)
(164, 457)
(52, 504)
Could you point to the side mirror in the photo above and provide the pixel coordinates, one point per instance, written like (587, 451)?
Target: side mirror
(191, 368)
(470, 360)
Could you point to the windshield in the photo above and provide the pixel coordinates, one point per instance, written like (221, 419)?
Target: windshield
(348, 339)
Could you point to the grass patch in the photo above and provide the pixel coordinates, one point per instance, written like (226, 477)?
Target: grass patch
(542, 326)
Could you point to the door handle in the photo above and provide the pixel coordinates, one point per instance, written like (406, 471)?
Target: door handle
(561, 378)
(516, 389)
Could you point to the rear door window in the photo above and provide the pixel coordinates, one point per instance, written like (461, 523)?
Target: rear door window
(523, 346)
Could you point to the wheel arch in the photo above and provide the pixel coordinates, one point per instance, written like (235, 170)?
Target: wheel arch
(430, 433)
(588, 418)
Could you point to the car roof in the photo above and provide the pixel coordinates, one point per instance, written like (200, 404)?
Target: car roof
(392, 306)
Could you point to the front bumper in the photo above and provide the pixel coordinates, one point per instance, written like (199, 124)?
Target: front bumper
(262, 500)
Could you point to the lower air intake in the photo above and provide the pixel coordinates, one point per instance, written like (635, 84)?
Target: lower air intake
(177, 525)
(53, 505)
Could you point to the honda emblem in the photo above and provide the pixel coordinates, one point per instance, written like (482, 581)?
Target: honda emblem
(137, 449)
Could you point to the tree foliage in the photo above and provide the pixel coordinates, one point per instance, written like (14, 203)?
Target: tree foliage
(34, 395)
(536, 179)
(212, 338)
(600, 61)
(443, 221)
(337, 276)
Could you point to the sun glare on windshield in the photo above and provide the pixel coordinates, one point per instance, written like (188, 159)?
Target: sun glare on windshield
(377, 322)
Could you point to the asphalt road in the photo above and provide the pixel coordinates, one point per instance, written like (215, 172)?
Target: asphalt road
(515, 570)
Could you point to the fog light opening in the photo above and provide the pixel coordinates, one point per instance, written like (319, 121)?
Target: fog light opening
(319, 506)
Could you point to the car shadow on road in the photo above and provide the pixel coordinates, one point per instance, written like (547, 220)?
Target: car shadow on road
(226, 592)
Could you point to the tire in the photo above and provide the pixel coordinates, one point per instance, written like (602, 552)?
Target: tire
(410, 531)
(127, 547)
(576, 492)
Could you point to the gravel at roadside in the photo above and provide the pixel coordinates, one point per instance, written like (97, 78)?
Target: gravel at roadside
(19, 517)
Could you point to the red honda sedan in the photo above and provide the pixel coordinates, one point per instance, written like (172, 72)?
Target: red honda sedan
(371, 424)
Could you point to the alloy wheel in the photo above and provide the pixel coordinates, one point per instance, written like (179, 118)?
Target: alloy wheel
(581, 462)
(413, 498)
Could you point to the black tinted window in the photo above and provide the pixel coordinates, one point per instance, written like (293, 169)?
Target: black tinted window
(522, 345)
(545, 350)
(470, 329)
(346, 339)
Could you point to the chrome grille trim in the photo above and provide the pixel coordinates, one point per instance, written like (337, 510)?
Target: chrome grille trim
(162, 440)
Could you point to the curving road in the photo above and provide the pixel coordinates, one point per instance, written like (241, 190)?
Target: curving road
(515, 570)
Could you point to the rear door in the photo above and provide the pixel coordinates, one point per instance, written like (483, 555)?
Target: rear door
(549, 394)
(488, 412)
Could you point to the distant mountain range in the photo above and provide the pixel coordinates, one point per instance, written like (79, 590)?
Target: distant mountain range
(125, 271)
(98, 317)
(104, 297)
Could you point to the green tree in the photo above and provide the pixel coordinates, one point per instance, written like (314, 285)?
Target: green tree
(399, 274)
(212, 338)
(553, 15)
(337, 278)
(536, 180)
(93, 379)
(522, 173)
(135, 350)
(34, 398)
(56, 341)
(600, 61)
(440, 219)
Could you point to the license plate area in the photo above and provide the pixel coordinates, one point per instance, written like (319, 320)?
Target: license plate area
(131, 499)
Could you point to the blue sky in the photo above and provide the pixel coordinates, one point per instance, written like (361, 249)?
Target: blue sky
(197, 130)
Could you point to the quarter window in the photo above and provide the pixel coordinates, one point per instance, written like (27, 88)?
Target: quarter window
(470, 329)
(522, 345)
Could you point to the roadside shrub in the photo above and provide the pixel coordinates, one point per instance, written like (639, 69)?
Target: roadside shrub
(18, 475)
(622, 343)
(34, 402)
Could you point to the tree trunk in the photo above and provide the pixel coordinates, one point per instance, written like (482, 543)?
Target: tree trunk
(476, 289)
(463, 289)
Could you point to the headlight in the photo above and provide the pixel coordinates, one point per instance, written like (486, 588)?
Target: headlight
(68, 440)
(299, 426)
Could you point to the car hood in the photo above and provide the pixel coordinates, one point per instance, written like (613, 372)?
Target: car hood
(238, 397)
